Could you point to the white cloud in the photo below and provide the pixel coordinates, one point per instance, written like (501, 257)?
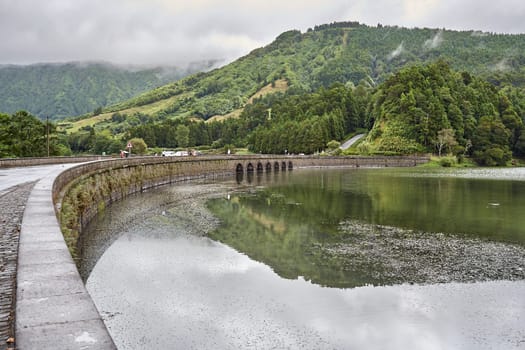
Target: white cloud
(398, 51)
(501, 66)
(174, 32)
(435, 42)
(414, 10)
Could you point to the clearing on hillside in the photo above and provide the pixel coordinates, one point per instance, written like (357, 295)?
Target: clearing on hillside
(280, 85)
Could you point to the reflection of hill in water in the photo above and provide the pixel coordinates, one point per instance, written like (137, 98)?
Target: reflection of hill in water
(340, 228)
(180, 205)
(296, 228)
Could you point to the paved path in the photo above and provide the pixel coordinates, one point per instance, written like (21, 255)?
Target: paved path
(37, 254)
(10, 177)
(15, 186)
(350, 142)
(53, 308)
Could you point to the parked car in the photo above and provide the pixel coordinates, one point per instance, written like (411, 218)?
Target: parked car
(168, 153)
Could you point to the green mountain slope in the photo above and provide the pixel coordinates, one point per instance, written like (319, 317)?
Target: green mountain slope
(435, 109)
(348, 52)
(60, 90)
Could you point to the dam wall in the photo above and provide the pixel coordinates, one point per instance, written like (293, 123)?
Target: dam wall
(53, 308)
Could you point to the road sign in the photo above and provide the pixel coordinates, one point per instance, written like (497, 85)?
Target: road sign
(129, 145)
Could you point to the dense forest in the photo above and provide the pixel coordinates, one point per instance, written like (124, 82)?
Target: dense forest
(276, 123)
(56, 91)
(413, 90)
(434, 109)
(420, 109)
(347, 53)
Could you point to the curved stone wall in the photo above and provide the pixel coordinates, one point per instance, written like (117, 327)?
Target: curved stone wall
(79, 192)
(54, 309)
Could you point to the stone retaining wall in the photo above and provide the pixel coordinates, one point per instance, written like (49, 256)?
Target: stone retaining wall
(80, 192)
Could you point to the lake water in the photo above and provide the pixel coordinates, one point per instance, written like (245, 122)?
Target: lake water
(316, 259)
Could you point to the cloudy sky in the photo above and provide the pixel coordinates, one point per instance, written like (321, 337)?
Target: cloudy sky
(175, 32)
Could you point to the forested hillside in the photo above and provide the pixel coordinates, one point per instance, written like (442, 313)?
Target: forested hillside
(415, 90)
(60, 90)
(349, 53)
(275, 123)
(433, 109)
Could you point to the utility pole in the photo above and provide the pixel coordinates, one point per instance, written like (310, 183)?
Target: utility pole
(47, 134)
(269, 113)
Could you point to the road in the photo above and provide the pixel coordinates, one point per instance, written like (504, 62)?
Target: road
(15, 187)
(350, 142)
(10, 177)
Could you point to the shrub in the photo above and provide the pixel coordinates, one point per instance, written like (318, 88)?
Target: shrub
(333, 144)
(447, 162)
(139, 146)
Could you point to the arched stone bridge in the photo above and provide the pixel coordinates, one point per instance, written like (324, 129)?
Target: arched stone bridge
(53, 308)
(266, 165)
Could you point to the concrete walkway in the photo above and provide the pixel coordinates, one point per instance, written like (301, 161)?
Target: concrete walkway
(15, 187)
(53, 308)
(10, 177)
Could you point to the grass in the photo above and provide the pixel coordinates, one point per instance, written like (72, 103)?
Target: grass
(242, 151)
(219, 118)
(280, 85)
(448, 162)
(146, 109)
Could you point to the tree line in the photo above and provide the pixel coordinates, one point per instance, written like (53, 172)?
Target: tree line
(345, 52)
(419, 109)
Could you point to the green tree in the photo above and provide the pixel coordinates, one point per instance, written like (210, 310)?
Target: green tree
(332, 145)
(139, 146)
(24, 135)
(445, 138)
(182, 134)
(97, 110)
(105, 144)
(490, 145)
(5, 136)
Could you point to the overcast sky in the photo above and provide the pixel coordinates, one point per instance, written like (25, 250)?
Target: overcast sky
(175, 32)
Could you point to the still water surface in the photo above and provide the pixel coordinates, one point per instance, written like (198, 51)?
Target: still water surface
(158, 284)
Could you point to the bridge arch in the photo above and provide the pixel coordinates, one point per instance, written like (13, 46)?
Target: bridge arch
(276, 166)
(290, 165)
(260, 167)
(283, 165)
(249, 168)
(268, 167)
(239, 168)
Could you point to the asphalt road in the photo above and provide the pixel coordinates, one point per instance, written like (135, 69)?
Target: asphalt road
(353, 140)
(10, 177)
